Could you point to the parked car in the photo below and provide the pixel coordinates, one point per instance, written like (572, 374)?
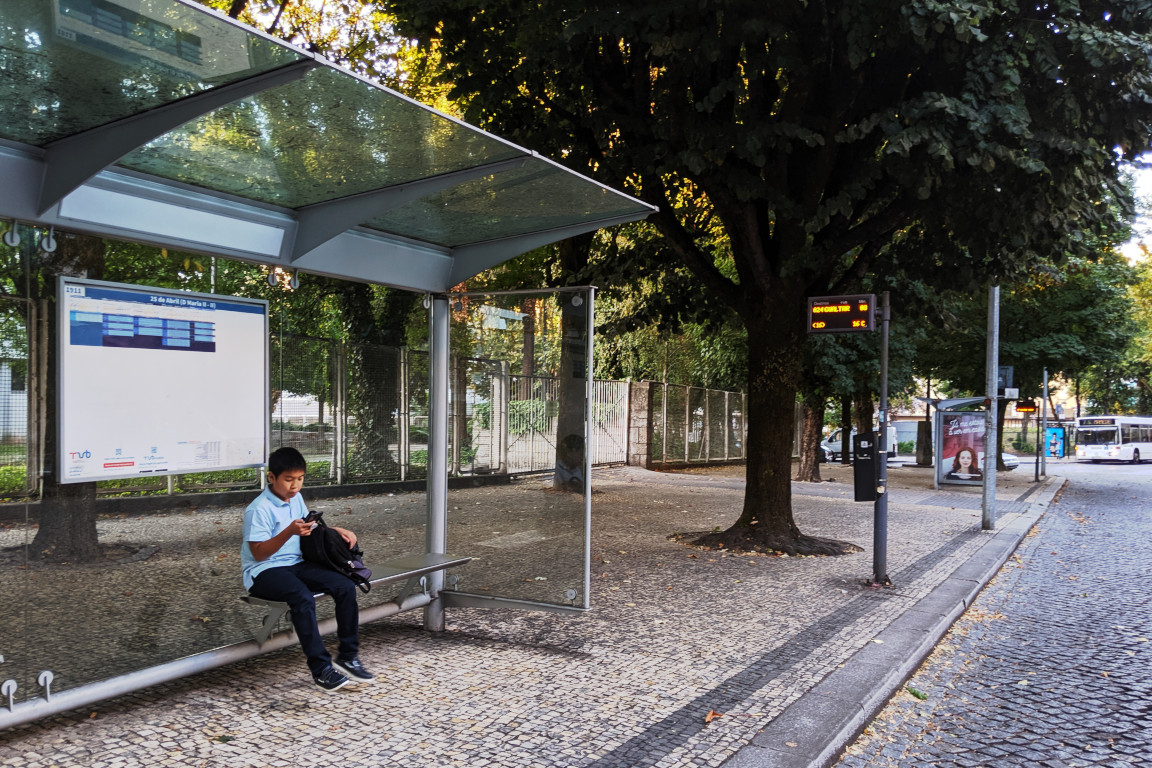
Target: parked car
(830, 446)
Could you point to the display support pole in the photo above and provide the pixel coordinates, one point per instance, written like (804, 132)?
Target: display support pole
(1042, 442)
(880, 508)
(437, 531)
(988, 503)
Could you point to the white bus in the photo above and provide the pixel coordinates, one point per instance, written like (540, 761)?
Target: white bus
(1119, 438)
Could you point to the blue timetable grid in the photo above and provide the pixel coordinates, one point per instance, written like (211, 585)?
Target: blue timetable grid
(99, 329)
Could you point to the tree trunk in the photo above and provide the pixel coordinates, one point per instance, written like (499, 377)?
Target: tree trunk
(766, 522)
(845, 430)
(571, 389)
(862, 405)
(67, 521)
(528, 352)
(809, 466)
(376, 333)
(1001, 413)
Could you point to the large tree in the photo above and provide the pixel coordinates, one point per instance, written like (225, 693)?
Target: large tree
(971, 137)
(1073, 320)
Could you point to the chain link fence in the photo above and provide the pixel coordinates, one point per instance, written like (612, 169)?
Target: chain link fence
(15, 400)
(359, 413)
(696, 425)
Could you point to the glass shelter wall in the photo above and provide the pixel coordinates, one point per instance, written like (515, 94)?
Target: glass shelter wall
(526, 364)
(17, 670)
(144, 585)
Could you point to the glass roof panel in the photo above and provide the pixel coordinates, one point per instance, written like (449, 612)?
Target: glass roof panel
(326, 136)
(538, 196)
(70, 65)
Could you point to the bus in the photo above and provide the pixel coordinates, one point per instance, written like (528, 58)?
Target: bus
(1119, 438)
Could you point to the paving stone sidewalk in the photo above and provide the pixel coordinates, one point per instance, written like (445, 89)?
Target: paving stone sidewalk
(688, 658)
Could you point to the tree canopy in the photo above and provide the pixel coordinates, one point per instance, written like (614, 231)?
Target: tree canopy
(958, 140)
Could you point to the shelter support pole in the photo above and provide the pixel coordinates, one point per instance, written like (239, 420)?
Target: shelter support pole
(437, 527)
(880, 507)
(589, 367)
(992, 368)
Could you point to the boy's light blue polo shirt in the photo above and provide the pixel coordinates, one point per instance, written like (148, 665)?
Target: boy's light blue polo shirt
(264, 518)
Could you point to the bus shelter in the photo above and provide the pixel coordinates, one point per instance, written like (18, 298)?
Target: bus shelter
(161, 122)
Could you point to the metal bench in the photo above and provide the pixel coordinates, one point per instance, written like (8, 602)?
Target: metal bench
(414, 569)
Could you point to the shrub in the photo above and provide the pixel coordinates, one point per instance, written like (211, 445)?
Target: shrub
(13, 479)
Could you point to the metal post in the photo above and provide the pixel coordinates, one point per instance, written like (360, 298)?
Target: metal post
(437, 532)
(727, 423)
(589, 341)
(1044, 427)
(706, 437)
(664, 422)
(992, 365)
(340, 411)
(688, 423)
(404, 449)
(500, 407)
(1039, 439)
(880, 508)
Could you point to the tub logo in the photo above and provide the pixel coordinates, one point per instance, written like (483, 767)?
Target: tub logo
(79, 455)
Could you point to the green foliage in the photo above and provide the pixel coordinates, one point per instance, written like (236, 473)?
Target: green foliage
(1075, 320)
(193, 482)
(527, 416)
(12, 479)
(947, 142)
(482, 415)
(716, 358)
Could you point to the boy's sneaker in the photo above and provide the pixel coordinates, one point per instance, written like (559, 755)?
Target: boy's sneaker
(355, 671)
(330, 680)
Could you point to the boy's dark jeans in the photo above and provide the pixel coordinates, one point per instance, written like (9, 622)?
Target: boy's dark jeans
(295, 585)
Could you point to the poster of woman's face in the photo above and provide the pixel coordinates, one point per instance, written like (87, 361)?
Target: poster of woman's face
(961, 446)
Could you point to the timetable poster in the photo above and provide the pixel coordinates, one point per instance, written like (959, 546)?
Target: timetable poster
(159, 382)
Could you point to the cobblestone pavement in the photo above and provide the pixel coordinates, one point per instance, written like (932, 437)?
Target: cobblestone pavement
(1052, 666)
(687, 658)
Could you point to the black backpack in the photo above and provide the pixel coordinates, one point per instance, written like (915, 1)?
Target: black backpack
(326, 547)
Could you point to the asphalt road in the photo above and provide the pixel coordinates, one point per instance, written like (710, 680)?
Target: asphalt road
(1052, 665)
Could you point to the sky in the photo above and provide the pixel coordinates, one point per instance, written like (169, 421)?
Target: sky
(1143, 229)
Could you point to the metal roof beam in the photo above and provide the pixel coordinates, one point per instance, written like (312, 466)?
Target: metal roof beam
(470, 260)
(74, 160)
(319, 223)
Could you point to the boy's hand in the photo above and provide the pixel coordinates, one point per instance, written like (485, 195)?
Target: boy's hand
(301, 527)
(347, 534)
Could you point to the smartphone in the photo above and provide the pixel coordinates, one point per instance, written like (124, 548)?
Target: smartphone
(312, 516)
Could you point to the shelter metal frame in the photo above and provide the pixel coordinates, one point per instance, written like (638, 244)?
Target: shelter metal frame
(79, 182)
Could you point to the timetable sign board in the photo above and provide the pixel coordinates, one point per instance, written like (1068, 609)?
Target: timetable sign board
(842, 314)
(159, 382)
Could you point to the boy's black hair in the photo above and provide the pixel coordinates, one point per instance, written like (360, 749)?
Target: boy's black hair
(286, 459)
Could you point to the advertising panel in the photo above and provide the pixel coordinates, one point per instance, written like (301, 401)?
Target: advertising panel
(960, 448)
(1055, 440)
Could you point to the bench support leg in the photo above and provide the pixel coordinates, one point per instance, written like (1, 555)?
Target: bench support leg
(276, 611)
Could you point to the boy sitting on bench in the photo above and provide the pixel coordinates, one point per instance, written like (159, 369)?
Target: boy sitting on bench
(275, 570)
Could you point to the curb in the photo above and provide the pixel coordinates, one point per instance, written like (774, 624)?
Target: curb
(823, 722)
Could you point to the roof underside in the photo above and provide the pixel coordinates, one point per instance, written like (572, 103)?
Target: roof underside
(160, 121)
